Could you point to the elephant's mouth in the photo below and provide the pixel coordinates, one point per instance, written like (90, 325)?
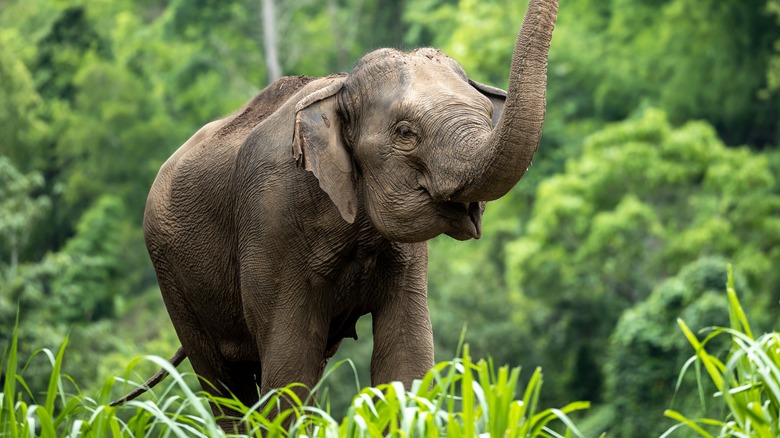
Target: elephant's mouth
(465, 219)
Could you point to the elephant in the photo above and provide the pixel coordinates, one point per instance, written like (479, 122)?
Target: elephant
(274, 229)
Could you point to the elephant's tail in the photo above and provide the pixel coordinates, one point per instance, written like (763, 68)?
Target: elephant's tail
(175, 360)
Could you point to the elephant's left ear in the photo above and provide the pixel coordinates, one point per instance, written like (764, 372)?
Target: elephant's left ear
(497, 96)
(318, 146)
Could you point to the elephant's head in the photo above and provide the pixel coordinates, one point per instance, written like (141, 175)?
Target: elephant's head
(422, 144)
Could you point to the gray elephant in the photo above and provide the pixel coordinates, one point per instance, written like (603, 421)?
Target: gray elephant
(274, 229)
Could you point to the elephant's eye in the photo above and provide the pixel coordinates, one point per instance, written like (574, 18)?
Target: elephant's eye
(404, 130)
(406, 135)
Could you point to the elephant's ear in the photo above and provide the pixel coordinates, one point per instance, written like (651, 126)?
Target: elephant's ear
(318, 146)
(496, 95)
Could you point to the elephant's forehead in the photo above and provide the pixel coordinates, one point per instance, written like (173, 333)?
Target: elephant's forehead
(433, 57)
(417, 82)
(426, 71)
(442, 86)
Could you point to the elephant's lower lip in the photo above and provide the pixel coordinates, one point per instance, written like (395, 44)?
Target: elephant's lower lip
(465, 219)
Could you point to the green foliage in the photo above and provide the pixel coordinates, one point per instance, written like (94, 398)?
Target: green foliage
(642, 199)
(19, 207)
(620, 55)
(576, 265)
(78, 283)
(21, 126)
(467, 291)
(480, 35)
(747, 380)
(458, 398)
(644, 350)
(76, 289)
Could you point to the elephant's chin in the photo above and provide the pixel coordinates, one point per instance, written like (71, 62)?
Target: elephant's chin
(421, 218)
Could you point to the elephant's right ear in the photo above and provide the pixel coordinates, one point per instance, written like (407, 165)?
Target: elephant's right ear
(318, 146)
(497, 97)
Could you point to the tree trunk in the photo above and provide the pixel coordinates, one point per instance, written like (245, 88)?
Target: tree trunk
(270, 42)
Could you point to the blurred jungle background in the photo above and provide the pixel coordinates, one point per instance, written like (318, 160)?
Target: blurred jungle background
(658, 166)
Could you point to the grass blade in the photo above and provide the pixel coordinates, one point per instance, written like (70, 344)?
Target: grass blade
(7, 413)
(674, 415)
(55, 382)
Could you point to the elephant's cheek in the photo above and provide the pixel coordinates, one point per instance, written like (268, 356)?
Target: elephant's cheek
(409, 222)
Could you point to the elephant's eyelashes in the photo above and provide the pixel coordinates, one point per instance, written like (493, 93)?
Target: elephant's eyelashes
(406, 137)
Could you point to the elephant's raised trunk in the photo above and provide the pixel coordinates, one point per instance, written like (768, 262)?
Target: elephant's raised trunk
(511, 146)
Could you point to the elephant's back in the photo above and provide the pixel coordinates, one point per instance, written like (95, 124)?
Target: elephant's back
(206, 160)
(265, 103)
(198, 173)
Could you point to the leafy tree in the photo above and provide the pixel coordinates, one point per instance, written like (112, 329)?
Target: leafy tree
(77, 289)
(638, 58)
(467, 291)
(479, 35)
(643, 199)
(60, 53)
(21, 126)
(717, 74)
(19, 208)
(646, 352)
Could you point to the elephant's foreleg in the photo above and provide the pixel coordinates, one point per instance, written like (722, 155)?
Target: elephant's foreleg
(403, 343)
(294, 349)
(403, 338)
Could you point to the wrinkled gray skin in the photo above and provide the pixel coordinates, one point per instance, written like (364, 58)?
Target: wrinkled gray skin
(274, 229)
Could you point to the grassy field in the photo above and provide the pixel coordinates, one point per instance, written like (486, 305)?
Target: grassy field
(456, 398)
(748, 379)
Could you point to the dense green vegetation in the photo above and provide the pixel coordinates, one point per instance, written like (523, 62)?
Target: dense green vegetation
(460, 398)
(748, 380)
(659, 165)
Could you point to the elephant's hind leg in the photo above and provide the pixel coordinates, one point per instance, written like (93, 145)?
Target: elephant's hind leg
(237, 380)
(218, 376)
(223, 379)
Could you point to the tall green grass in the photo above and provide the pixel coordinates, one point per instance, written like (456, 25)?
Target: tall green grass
(459, 398)
(748, 381)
